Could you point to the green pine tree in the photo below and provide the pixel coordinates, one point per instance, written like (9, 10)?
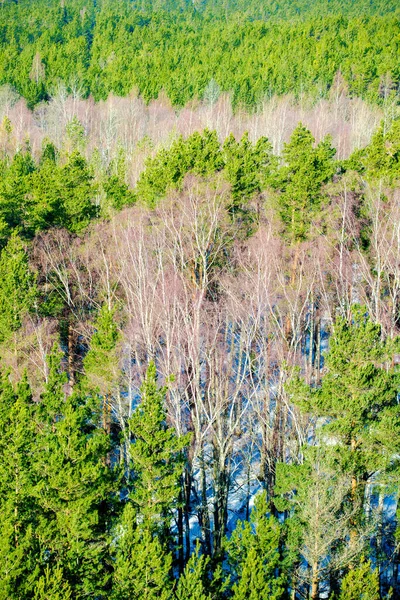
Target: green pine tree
(255, 557)
(73, 484)
(358, 396)
(52, 585)
(192, 584)
(299, 181)
(19, 550)
(157, 456)
(18, 290)
(360, 583)
(101, 361)
(142, 566)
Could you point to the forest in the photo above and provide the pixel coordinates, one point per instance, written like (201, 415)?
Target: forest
(199, 300)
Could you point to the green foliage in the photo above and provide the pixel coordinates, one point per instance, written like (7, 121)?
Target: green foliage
(381, 159)
(14, 187)
(18, 291)
(248, 168)
(249, 49)
(360, 583)
(157, 456)
(255, 558)
(299, 181)
(199, 154)
(142, 567)
(73, 484)
(358, 394)
(192, 584)
(101, 361)
(52, 586)
(19, 549)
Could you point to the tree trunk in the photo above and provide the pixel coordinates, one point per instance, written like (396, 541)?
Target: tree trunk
(315, 582)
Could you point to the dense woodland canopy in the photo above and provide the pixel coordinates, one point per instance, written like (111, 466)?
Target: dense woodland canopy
(199, 303)
(114, 47)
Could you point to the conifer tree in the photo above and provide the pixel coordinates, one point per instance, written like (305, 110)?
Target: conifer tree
(142, 565)
(73, 484)
(143, 560)
(255, 557)
(247, 166)
(358, 396)
(157, 457)
(19, 550)
(360, 583)
(101, 361)
(78, 193)
(192, 584)
(381, 158)
(52, 585)
(17, 287)
(306, 168)
(13, 190)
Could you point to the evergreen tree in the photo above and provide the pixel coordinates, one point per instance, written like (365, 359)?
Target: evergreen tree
(247, 166)
(142, 565)
(192, 584)
(52, 586)
(101, 361)
(299, 181)
(17, 287)
(14, 188)
(381, 158)
(19, 550)
(78, 193)
(360, 583)
(157, 457)
(73, 485)
(358, 396)
(143, 561)
(255, 558)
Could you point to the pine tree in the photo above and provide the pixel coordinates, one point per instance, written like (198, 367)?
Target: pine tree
(157, 457)
(381, 158)
(19, 550)
(142, 565)
(17, 287)
(143, 560)
(14, 188)
(73, 484)
(78, 193)
(52, 586)
(192, 584)
(358, 396)
(101, 361)
(300, 179)
(360, 583)
(255, 558)
(248, 168)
